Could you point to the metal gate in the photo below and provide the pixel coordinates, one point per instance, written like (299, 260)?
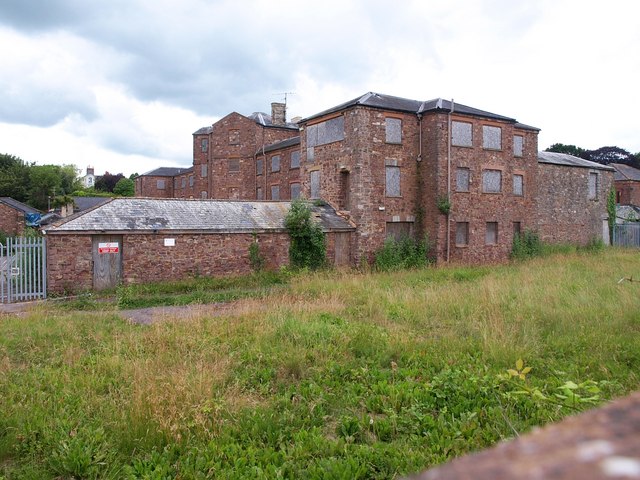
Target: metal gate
(23, 269)
(626, 234)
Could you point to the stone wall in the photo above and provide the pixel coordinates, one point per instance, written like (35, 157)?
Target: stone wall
(11, 220)
(69, 263)
(628, 192)
(282, 178)
(154, 186)
(565, 213)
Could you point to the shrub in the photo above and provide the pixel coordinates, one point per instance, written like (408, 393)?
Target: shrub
(526, 245)
(256, 259)
(402, 253)
(307, 249)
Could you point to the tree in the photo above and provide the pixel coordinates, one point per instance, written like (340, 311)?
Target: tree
(107, 182)
(45, 182)
(568, 149)
(125, 187)
(307, 249)
(14, 177)
(607, 155)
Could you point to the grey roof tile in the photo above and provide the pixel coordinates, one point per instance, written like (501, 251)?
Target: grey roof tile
(23, 207)
(567, 160)
(167, 172)
(290, 142)
(147, 215)
(625, 172)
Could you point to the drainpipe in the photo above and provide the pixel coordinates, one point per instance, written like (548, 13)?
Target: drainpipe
(449, 179)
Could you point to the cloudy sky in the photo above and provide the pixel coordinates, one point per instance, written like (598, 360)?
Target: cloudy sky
(122, 84)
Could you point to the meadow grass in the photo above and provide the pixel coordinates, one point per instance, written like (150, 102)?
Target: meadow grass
(333, 375)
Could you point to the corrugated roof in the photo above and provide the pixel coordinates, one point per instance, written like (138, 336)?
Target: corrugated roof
(389, 102)
(570, 161)
(290, 142)
(23, 207)
(167, 172)
(625, 172)
(148, 215)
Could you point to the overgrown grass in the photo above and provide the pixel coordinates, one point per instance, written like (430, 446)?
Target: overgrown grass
(337, 376)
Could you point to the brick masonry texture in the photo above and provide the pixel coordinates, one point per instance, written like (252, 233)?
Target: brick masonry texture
(69, 263)
(11, 220)
(628, 192)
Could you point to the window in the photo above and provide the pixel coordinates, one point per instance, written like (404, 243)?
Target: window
(203, 195)
(399, 230)
(518, 185)
(491, 137)
(191, 180)
(275, 192)
(393, 181)
(517, 229)
(393, 129)
(275, 163)
(491, 234)
(329, 131)
(160, 185)
(295, 159)
(461, 134)
(184, 182)
(175, 183)
(314, 180)
(593, 186)
(518, 144)
(204, 144)
(259, 194)
(234, 137)
(311, 155)
(491, 181)
(462, 233)
(462, 179)
(234, 165)
(259, 164)
(295, 190)
(203, 170)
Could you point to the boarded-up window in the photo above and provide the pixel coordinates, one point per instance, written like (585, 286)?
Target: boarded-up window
(517, 228)
(593, 185)
(518, 145)
(275, 192)
(393, 129)
(295, 159)
(160, 185)
(393, 181)
(462, 233)
(259, 165)
(311, 155)
(461, 134)
(462, 179)
(203, 170)
(491, 137)
(191, 180)
(518, 185)
(175, 182)
(204, 144)
(234, 137)
(203, 195)
(314, 180)
(399, 230)
(491, 181)
(491, 234)
(329, 131)
(275, 163)
(234, 165)
(259, 194)
(184, 182)
(295, 190)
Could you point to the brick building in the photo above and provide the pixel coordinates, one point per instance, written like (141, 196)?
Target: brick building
(627, 183)
(467, 178)
(12, 216)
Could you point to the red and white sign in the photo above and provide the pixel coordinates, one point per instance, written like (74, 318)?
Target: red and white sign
(108, 247)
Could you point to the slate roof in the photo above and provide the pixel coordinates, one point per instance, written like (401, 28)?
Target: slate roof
(167, 172)
(290, 142)
(399, 104)
(146, 215)
(625, 172)
(204, 131)
(567, 160)
(265, 120)
(15, 204)
(85, 203)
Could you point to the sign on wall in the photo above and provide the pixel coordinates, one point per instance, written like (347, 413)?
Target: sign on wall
(108, 247)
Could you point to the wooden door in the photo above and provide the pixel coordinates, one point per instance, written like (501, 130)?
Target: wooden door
(342, 249)
(107, 261)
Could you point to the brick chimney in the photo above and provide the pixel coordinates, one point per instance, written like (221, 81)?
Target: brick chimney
(279, 114)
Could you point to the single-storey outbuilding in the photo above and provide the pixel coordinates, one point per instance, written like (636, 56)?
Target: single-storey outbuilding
(14, 216)
(140, 240)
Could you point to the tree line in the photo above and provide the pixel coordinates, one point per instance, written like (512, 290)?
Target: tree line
(48, 186)
(602, 155)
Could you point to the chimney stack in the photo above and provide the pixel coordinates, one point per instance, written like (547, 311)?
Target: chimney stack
(279, 114)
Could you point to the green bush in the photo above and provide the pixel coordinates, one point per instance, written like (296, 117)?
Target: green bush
(307, 249)
(526, 245)
(403, 253)
(256, 259)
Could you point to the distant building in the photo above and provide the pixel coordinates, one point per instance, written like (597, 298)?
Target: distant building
(627, 182)
(89, 180)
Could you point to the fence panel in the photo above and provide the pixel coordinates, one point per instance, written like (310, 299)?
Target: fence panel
(23, 269)
(626, 235)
